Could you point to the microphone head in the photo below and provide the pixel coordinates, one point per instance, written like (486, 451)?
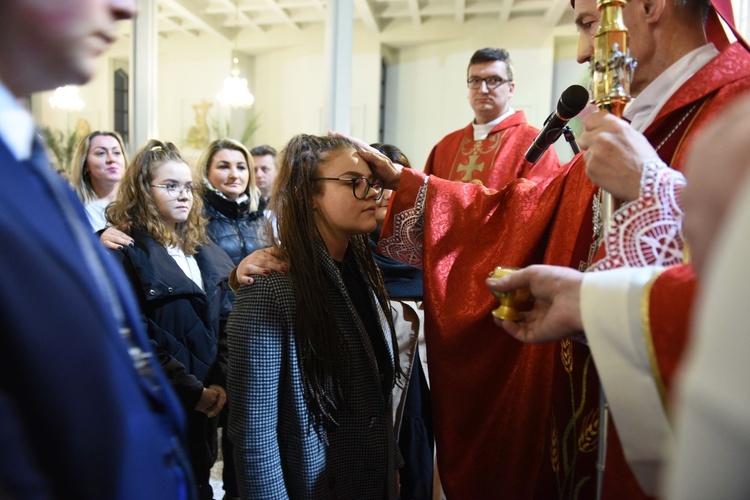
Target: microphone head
(572, 101)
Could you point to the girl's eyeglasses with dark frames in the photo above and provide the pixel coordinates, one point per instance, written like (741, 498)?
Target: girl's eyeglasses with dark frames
(174, 189)
(360, 185)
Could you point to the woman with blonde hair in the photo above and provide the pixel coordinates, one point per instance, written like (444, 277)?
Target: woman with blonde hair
(235, 221)
(98, 166)
(311, 351)
(237, 224)
(180, 279)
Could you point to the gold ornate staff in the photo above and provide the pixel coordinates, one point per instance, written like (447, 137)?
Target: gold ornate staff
(611, 74)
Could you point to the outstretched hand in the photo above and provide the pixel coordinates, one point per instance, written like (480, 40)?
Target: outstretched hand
(557, 312)
(382, 167)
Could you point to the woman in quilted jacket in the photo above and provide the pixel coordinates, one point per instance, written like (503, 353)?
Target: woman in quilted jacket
(235, 221)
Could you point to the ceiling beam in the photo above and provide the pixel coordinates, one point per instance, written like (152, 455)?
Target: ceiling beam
(460, 11)
(531, 6)
(177, 25)
(414, 12)
(555, 12)
(189, 9)
(318, 4)
(367, 14)
(505, 10)
(274, 6)
(233, 15)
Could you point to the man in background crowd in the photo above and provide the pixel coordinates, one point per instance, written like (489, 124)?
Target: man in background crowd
(264, 159)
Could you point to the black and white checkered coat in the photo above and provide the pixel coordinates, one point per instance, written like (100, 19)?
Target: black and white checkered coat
(277, 453)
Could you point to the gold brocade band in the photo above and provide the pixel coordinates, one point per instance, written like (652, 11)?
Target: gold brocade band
(686, 254)
(649, 344)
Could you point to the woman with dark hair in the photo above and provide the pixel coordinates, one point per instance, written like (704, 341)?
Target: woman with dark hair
(97, 169)
(180, 279)
(311, 351)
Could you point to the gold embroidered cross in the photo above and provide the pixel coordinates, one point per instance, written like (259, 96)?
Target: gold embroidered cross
(469, 168)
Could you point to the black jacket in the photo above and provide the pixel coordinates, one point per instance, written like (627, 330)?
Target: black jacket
(184, 323)
(233, 227)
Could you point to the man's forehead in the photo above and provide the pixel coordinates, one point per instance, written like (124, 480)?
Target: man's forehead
(265, 159)
(491, 67)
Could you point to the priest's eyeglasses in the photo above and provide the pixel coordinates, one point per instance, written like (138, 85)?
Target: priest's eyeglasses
(174, 190)
(493, 82)
(360, 185)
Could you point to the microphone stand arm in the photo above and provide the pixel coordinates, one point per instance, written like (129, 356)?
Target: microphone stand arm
(571, 138)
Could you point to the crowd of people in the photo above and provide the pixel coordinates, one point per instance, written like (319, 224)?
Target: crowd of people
(327, 305)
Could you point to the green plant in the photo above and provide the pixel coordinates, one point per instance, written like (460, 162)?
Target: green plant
(62, 145)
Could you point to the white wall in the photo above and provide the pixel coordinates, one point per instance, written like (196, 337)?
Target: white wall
(567, 72)
(98, 97)
(290, 89)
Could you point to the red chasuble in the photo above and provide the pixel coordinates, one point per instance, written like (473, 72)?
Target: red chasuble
(514, 420)
(494, 161)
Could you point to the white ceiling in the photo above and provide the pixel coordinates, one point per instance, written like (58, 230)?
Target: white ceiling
(219, 18)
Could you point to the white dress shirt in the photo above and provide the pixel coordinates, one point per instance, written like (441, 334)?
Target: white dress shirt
(16, 125)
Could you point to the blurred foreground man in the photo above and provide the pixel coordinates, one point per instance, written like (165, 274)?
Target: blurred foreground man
(85, 412)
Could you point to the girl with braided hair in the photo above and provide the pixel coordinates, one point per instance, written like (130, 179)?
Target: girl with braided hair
(311, 351)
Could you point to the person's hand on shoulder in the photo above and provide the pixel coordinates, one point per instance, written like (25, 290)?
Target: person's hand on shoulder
(115, 239)
(260, 262)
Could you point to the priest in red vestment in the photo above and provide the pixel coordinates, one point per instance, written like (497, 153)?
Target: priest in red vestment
(619, 307)
(516, 420)
(490, 150)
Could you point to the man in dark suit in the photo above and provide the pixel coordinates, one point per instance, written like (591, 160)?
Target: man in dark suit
(84, 411)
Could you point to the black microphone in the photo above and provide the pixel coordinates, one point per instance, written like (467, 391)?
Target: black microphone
(571, 102)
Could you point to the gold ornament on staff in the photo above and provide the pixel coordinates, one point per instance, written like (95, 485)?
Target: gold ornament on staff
(611, 74)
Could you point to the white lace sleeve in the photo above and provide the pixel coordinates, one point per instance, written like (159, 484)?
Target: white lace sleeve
(648, 231)
(405, 244)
